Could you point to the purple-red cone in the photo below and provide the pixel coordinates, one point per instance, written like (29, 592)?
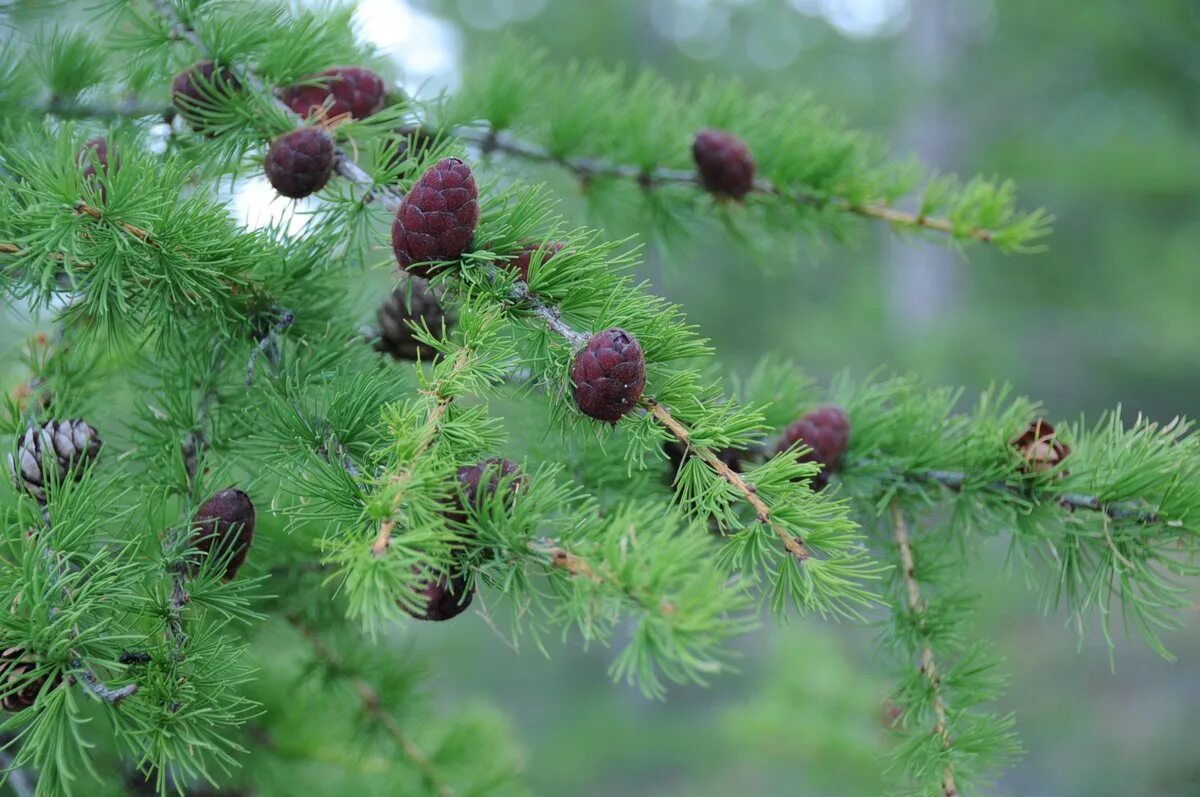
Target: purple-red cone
(724, 162)
(609, 375)
(522, 261)
(97, 152)
(348, 90)
(826, 432)
(300, 162)
(437, 220)
(442, 598)
(473, 489)
(224, 527)
(199, 86)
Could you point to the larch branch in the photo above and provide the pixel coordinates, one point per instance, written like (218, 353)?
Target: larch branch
(929, 670)
(391, 198)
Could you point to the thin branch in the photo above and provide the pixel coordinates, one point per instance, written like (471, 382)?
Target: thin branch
(102, 690)
(585, 168)
(373, 706)
(1137, 511)
(794, 544)
(428, 434)
(576, 565)
(137, 232)
(129, 108)
(88, 678)
(929, 670)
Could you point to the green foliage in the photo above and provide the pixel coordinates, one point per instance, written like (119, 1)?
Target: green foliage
(240, 351)
(607, 125)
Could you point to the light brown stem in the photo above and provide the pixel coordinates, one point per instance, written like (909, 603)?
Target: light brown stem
(794, 544)
(433, 421)
(137, 232)
(929, 670)
(576, 565)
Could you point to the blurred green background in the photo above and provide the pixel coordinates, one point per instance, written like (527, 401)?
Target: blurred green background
(1092, 108)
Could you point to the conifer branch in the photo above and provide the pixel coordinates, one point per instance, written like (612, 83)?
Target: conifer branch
(929, 669)
(373, 706)
(89, 679)
(793, 543)
(1137, 511)
(576, 565)
(586, 169)
(442, 399)
(391, 199)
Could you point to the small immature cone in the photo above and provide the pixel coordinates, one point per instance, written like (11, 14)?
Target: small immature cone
(1040, 448)
(523, 260)
(349, 90)
(470, 481)
(224, 526)
(19, 691)
(609, 375)
(198, 86)
(417, 305)
(300, 162)
(68, 446)
(724, 162)
(437, 220)
(443, 597)
(826, 432)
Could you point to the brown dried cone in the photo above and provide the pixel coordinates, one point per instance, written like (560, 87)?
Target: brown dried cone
(224, 527)
(19, 690)
(724, 162)
(417, 305)
(437, 220)
(349, 90)
(609, 373)
(1041, 449)
(443, 597)
(473, 490)
(199, 87)
(826, 433)
(67, 446)
(300, 162)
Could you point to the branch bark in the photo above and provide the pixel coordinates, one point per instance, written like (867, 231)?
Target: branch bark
(1138, 511)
